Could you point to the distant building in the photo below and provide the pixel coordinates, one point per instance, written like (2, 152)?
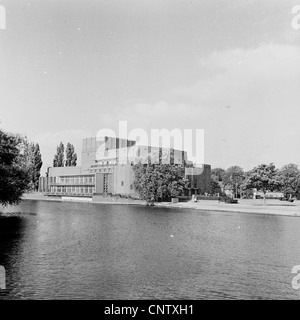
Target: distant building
(43, 184)
(269, 194)
(107, 169)
(199, 180)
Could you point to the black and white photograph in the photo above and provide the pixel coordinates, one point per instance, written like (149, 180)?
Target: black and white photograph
(149, 152)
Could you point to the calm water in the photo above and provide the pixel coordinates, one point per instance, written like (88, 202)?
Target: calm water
(55, 250)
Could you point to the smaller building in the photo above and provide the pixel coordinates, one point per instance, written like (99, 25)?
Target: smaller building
(199, 180)
(70, 181)
(269, 195)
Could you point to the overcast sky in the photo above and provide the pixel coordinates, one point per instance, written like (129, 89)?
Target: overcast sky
(70, 68)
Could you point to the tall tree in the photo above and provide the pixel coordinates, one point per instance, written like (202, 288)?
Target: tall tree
(234, 177)
(264, 178)
(59, 156)
(74, 160)
(71, 156)
(37, 164)
(27, 151)
(14, 170)
(215, 186)
(289, 177)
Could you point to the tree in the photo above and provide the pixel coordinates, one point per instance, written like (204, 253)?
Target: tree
(217, 174)
(59, 156)
(33, 159)
(264, 178)
(71, 156)
(245, 188)
(234, 177)
(37, 164)
(215, 187)
(74, 160)
(289, 178)
(14, 169)
(159, 181)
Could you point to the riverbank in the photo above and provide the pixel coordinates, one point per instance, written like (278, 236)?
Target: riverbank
(273, 207)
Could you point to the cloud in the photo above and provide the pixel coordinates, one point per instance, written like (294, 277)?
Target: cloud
(260, 84)
(234, 73)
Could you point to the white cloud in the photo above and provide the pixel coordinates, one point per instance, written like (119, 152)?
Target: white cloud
(260, 84)
(262, 87)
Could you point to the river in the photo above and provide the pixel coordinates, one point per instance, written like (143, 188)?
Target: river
(67, 250)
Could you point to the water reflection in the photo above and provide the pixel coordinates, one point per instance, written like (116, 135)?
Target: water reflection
(54, 250)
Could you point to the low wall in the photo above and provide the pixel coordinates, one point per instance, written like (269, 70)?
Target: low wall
(83, 199)
(207, 197)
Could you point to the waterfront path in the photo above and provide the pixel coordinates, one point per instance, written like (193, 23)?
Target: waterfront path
(273, 207)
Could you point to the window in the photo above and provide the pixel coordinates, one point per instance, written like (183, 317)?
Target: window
(105, 183)
(122, 183)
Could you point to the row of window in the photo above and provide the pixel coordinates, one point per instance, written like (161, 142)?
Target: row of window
(73, 180)
(72, 190)
(101, 170)
(105, 163)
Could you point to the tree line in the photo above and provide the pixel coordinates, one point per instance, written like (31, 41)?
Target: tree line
(264, 178)
(21, 163)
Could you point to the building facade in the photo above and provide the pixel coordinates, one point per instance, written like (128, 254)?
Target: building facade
(107, 169)
(199, 180)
